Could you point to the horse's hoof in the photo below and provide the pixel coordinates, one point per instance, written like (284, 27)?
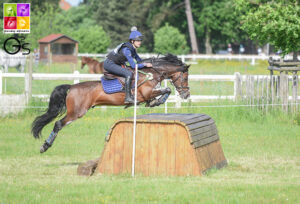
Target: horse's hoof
(44, 147)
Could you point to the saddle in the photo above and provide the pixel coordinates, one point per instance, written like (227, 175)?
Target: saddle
(113, 84)
(109, 76)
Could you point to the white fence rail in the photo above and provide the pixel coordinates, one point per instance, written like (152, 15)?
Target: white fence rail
(193, 57)
(76, 77)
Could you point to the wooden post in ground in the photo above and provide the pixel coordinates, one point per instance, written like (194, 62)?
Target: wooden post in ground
(295, 92)
(284, 91)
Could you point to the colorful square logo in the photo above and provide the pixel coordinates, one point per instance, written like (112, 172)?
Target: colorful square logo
(23, 9)
(16, 17)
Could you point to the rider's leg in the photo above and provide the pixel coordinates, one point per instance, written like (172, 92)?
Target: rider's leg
(118, 70)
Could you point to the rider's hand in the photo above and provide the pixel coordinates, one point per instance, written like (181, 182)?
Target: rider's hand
(148, 65)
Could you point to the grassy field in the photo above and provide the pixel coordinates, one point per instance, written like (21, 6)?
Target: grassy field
(263, 153)
(262, 150)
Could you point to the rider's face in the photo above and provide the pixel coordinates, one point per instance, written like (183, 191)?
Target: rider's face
(137, 43)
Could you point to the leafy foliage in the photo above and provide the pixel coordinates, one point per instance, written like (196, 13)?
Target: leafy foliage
(91, 37)
(169, 39)
(274, 22)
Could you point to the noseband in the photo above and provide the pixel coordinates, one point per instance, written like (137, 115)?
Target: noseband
(181, 84)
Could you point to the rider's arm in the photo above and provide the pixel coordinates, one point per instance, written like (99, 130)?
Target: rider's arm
(138, 59)
(129, 57)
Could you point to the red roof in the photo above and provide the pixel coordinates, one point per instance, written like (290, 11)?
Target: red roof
(64, 5)
(53, 37)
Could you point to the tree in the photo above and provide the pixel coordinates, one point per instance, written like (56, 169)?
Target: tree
(92, 39)
(190, 21)
(274, 22)
(169, 40)
(218, 24)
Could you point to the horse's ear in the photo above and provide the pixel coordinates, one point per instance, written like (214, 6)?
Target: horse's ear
(188, 66)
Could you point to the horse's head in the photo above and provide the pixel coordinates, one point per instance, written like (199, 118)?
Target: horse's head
(174, 69)
(181, 81)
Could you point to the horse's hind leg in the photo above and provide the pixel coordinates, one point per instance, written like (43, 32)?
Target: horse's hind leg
(70, 117)
(48, 143)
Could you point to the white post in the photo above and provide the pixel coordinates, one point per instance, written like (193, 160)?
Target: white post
(0, 81)
(178, 99)
(134, 121)
(166, 103)
(253, 61)
(76, 81)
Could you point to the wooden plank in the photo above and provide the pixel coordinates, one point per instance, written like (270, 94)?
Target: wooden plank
(284, 68)
(204, 129)
(221, 156)
(141, 149)
(109, 166)
(196, 120)
(194, 116)
(180, 156)
(101, 164)
(127, 151)
(204, 135)
(295, 92)
(147, 136)
(221, 160)
(171, 149)
(118, 148)
(162, 149)
(205, 141)
(191, 166)
(280, 64)
(214, 153)
(199, 125)
(153, 143)
(203, 158)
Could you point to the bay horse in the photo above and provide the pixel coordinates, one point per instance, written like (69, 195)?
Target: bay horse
(95, 67)
(77, 99)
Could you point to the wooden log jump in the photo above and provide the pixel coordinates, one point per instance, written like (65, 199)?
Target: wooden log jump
(166, 144)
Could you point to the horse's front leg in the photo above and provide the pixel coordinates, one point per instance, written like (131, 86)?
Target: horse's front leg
(164, 95)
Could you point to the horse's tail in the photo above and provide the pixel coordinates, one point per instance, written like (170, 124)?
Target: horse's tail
(57, 105)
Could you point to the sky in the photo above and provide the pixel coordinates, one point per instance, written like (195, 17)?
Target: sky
(74, 2)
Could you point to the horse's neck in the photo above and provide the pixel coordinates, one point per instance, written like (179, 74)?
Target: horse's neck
(156, 74)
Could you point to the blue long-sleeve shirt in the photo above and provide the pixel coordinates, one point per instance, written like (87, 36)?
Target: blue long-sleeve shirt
(130, 56)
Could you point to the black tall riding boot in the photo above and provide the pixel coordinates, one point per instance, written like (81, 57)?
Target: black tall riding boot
(128, 96)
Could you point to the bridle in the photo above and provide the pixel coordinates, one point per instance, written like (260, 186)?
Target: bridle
(163, 75)
(181, 87)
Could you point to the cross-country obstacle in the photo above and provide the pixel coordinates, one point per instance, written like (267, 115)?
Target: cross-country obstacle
(166, 144)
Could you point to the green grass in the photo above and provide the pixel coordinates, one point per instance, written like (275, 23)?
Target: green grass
(223, 67)
(262, 150)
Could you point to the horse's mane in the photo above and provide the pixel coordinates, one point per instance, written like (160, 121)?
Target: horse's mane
(173, 59)
(167, 59)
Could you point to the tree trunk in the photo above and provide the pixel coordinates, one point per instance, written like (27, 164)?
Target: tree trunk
(208, 49)
(192, 33)
(295, 55)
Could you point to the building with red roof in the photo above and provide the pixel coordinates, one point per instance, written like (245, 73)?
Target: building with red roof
(58, 48)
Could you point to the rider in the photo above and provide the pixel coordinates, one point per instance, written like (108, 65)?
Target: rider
(126, 52)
